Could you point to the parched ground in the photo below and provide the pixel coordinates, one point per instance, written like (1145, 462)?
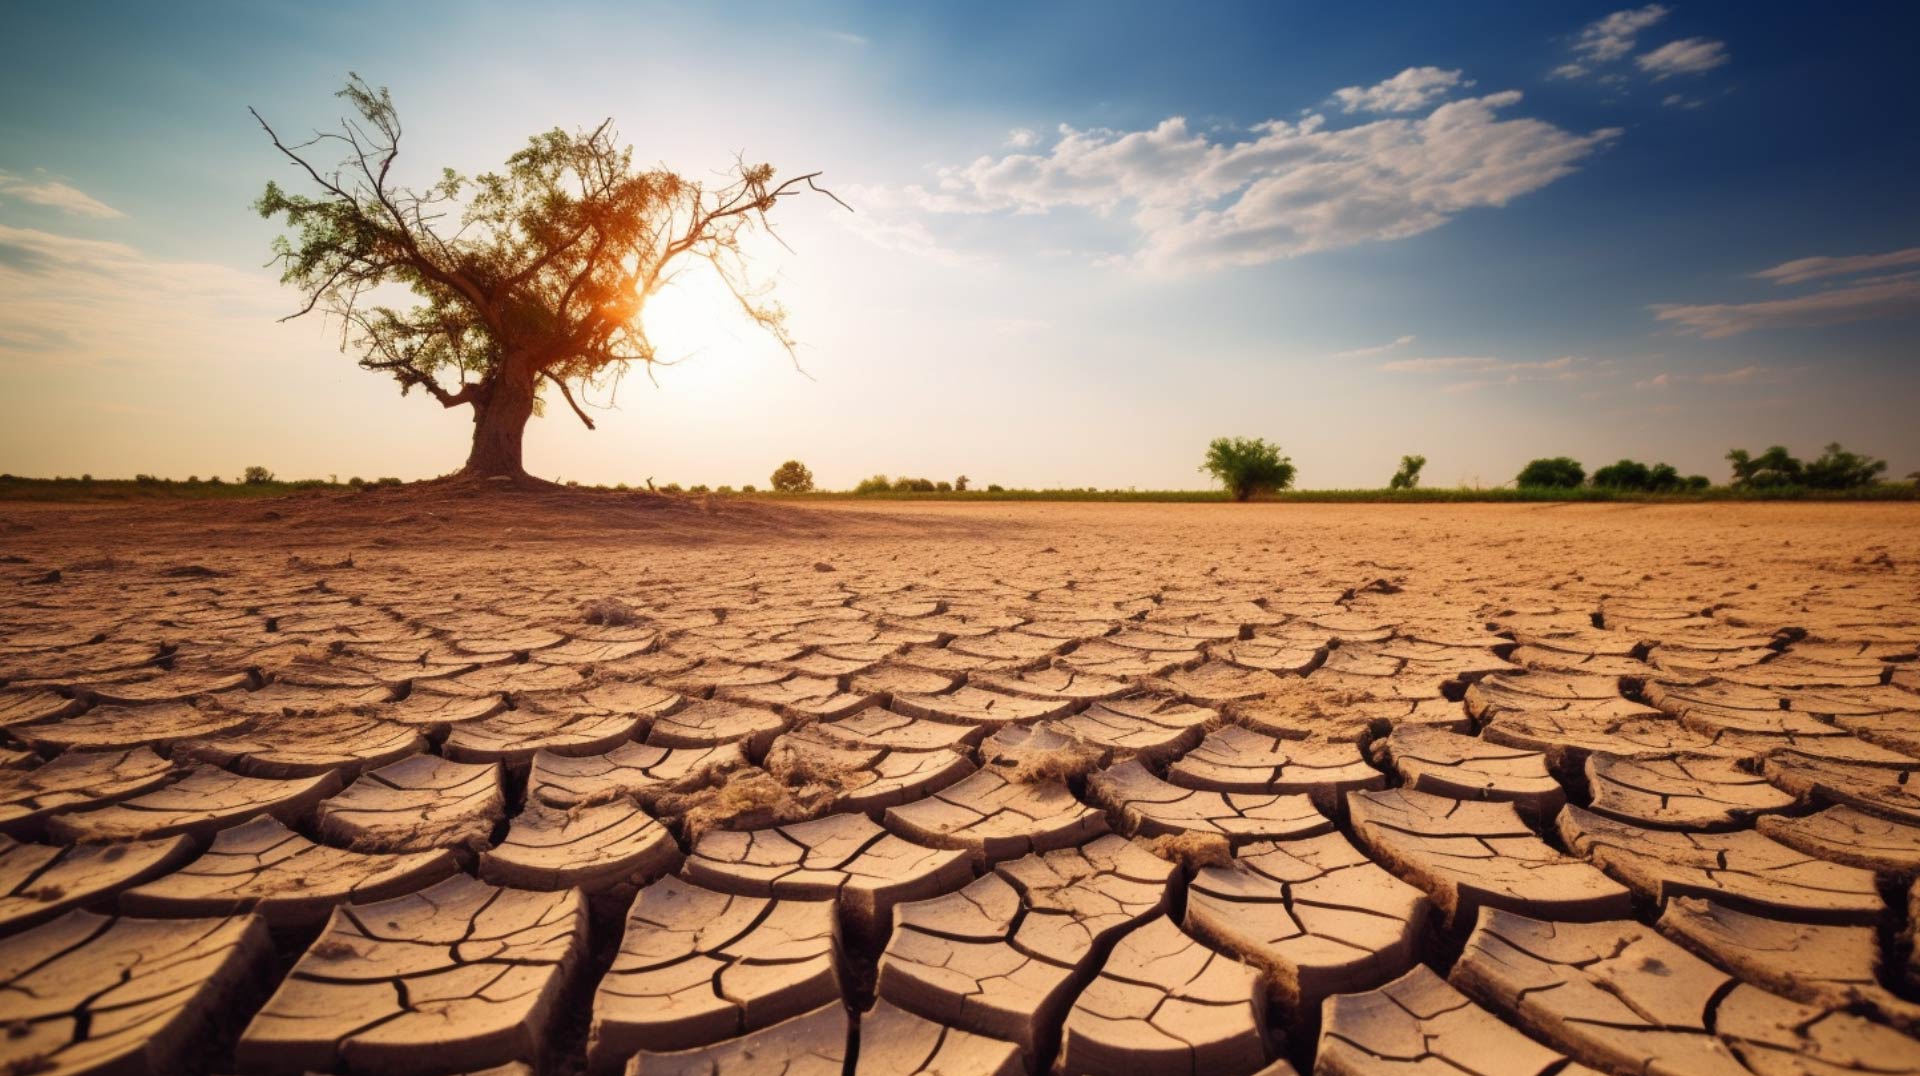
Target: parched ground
(437, 780)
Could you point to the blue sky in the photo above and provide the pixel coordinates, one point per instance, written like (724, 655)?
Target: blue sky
(1088, 237)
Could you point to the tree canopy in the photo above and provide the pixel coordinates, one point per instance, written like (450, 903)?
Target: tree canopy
(1560, 472)
(1248, 465)
(531, 277)
(1408, 476)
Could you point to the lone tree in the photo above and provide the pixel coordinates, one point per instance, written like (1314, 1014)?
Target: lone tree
(1408, 476)
(1560, 472)
(792, 477)
(1248, 465)
(531, 277)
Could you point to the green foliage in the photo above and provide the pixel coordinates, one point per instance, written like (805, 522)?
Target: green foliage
(701, 488)
(992, 488)
(960, 484)
(257, 476)
(1839, 469)
(1245, 466)
(877, 484)
(671, 487)
(1775, 468)
(389, 481)
(912, 485)
(749, 488)
(943, 487)
(1560, 472)
(792, 477)
(1408, 476)
(1627, 474)
(356, 482)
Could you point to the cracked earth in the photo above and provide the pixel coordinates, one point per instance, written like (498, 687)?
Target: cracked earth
(422, 783)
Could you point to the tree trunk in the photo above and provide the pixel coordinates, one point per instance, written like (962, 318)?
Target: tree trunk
(500, 424)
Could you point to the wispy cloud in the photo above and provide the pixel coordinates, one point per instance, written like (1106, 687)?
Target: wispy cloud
(1801, 270)
(1744, 375)
(1377, 349)
(1688, 56)
(1610, 38)
(1195, 202)
(1409, 91)
(846, 38)
(1466, 373)
(1865, 300)
(1023, 138)
(52, 193)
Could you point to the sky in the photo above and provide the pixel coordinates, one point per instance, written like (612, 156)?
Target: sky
(1085, 238)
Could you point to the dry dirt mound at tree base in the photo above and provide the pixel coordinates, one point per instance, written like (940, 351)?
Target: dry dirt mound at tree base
(978, 760)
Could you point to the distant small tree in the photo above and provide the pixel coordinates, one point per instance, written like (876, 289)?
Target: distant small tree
(1772, 469)
(1248, 465)
(995, 487)
(1664, 478)
(1408, 476)
(1839, 469)
(749, 488)
(1694, 483)
(792, 477)
(1560, 472)
(877, 484)
(257, 476)
(1629, 475)
(960, 484)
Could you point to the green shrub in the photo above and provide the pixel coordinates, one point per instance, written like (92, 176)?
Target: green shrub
(877, 484)
(749, 488)
(792, 477)
(356, 481)
(1696, 482)
(1839, 469)
(943, 487)
(388, 481)
(671, 487)
(147, 480)
(1624, 475)
(1408, 476)
(1248, 465)
(995, 488)
(193, 479)
(701, 488)
(1773, 469)
(723, 489)
(257, 476)
(960, 484)
(1560, 472)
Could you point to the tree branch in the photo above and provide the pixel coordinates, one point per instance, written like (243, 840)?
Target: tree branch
(564, 391)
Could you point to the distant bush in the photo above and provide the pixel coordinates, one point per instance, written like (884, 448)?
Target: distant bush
(1626, 475)
(960, 484)
(1560, 472)
(671, 487)
(943, 487)
(257, 476)
(388, 481)
(995, 488)
(356, 481)
(193, 479)
(1408, 476)
(904, 484)
(216, 480)
(723, 489)
(749, 488)
(877, 484)
(1248, 465)
(701, 488)
(1773, 469)
(147, 480)
(1839, 469)
(792, 477)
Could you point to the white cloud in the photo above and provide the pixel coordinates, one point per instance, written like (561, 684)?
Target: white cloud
(55, 195)
(1680, 100)
(1569, 70)
(1466, 373)
(1023, 138)
(1744, 375)
(846, 38)
(1801, 270)
(1377, 349)
(1688, 56)
(1409, 91)
(1289, 189)
(1865, 300)
(1614, 36)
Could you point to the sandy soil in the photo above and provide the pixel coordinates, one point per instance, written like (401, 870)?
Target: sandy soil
(956, 787)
